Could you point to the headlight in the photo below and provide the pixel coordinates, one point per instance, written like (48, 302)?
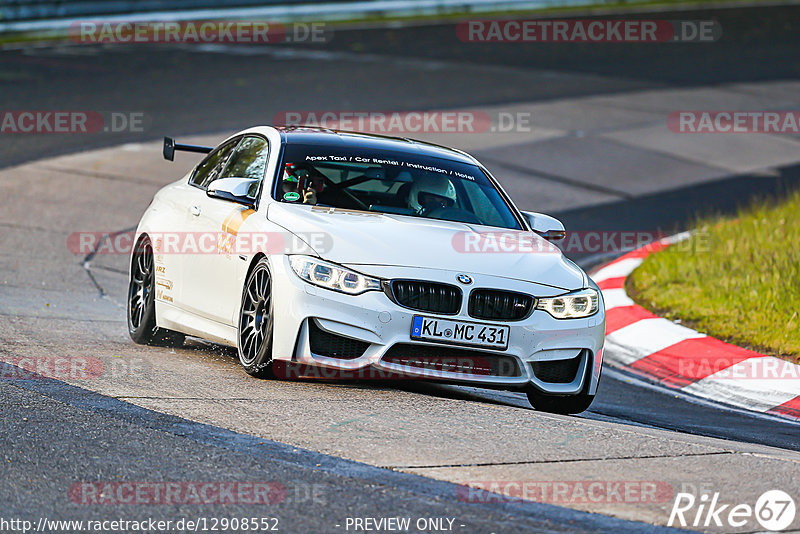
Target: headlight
(331, 276)
(582, 303)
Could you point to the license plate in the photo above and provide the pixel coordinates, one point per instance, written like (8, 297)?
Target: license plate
(459, 332)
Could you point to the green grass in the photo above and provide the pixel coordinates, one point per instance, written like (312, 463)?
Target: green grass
(737, 279)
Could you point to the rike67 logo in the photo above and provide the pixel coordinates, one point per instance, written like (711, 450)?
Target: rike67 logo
(774, 511)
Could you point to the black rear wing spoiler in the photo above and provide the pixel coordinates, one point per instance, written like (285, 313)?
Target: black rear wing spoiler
(170, 146)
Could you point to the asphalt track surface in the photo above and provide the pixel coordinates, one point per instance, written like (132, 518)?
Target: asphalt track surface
(54, 434)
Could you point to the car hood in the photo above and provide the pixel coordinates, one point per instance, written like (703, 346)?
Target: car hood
(367, 238)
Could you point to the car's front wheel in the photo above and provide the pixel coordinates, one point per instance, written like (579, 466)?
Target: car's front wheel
(141, 301)
(256, 322)
(561, 404)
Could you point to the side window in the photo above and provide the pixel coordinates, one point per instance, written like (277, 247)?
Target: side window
(249, 160)
(210, 169)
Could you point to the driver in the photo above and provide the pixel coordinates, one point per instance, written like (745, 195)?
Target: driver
(298, 184)
(431, 192)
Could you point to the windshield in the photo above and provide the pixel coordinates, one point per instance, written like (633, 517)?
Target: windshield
(391, 182)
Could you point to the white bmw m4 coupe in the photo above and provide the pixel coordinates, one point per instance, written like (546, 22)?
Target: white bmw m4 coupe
(357, 255)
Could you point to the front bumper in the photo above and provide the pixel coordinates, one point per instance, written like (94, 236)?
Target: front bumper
(538, 345)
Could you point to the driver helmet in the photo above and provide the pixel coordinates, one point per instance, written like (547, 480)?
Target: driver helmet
(429, 192)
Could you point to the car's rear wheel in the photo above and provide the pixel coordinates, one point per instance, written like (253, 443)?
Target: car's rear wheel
(256, 322)
(141, 301)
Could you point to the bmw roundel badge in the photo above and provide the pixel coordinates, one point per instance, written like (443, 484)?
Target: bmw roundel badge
(464, 279)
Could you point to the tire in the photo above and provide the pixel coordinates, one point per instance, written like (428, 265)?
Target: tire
(256, 322)
(560, 404)
(141, 301)
(563, 404)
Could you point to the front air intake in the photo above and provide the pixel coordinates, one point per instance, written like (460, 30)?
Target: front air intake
(557, 371)
(451, 360)
(331, 345)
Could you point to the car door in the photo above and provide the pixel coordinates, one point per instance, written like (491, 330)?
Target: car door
(210, 278)
(193, 195)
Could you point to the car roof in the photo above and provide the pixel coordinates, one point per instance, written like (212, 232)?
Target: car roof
(306, 135)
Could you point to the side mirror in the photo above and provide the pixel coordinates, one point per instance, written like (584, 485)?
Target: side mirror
(239, 190)
(546, 226)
